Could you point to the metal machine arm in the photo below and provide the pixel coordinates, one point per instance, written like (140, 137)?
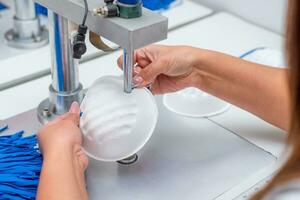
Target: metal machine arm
(129, 34)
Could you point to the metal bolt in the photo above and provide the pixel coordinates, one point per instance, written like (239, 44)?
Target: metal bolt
(46, 112)
(98, 11)
(95, 11)
(10, 36)
(37, 38)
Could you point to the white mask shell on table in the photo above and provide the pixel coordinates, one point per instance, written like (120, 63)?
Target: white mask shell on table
(192, 102)
(116, 125)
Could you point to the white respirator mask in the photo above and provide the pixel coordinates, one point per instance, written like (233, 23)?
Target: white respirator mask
(115, 124)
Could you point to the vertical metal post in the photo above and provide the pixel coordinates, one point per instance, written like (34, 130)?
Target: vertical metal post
(128, 65)
(24, 9)
(65, 87)
(27, 31)
(64, 67)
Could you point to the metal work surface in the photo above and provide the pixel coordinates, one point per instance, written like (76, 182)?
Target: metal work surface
(186, 158)
(133, 33)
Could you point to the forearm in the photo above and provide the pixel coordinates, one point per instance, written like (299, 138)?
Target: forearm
(61, 177)
(258, 89)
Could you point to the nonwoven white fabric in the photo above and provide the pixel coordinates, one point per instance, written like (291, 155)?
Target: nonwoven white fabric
(192, 102)
(115, 125)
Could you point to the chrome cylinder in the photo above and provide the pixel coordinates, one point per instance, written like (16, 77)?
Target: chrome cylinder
(128, 63)
(27, 31)
(26, 23)
(65, 87)
(64, 68)
(24, 10)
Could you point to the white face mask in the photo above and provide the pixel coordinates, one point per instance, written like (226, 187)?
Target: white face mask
(192, 102)
(116, 125)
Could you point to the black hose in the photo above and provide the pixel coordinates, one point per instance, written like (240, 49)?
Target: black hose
(86, 11)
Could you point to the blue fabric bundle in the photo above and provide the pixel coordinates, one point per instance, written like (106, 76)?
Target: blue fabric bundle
(20, 166)
(157, 4)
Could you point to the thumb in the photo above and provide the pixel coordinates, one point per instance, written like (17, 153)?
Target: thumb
(148, 74)
(75, 108)
(74, 113)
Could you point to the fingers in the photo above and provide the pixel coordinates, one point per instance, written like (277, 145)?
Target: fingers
(120, 62)
(149, 73)
(140, 57)
(143, 58)
(121, 58)
(75, 108)
(56, 120)
(74, 114)
(148, 65)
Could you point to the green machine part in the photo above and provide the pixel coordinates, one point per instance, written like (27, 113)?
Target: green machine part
(130, 11)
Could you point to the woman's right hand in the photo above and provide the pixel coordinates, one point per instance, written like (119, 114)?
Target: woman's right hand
(165, 68)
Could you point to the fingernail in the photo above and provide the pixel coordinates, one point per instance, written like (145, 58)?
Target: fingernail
(74, 107)
(137, 80)
(137, 70)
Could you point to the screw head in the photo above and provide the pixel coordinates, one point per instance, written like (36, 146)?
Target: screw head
(46, 112)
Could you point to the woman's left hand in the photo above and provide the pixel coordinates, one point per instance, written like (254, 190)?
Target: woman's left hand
(63, 134)
(64, 163)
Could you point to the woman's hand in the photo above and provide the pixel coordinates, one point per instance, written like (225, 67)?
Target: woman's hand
(63, 134)
(165, 68)
(244, 84)
(64, 163)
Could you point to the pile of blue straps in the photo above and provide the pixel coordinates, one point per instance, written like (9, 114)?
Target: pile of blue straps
(20, 166)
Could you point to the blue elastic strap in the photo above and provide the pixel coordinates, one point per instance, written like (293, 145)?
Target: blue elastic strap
(20, 166)
(251, 51)
(4, 128)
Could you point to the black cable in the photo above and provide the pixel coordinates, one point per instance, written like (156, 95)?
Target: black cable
(86, 11)
(79, 46)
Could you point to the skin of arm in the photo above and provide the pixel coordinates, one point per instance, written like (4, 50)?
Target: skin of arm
(64, 163)
(259, 89)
